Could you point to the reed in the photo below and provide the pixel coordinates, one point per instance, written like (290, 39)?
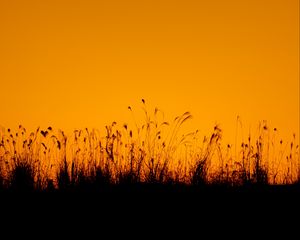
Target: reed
(151, 153)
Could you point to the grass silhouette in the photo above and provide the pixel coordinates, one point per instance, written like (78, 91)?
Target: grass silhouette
(147, 155)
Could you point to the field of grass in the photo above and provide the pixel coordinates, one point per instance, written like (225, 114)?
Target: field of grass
(153, 154)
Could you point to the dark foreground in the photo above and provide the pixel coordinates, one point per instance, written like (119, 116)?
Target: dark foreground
(153, 210)
(148, 197)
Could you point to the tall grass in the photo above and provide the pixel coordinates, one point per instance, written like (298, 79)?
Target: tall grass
(154, 152)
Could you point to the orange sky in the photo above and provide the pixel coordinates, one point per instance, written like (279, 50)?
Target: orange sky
(81, 63)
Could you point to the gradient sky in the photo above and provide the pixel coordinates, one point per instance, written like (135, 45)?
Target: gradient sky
(81, 63)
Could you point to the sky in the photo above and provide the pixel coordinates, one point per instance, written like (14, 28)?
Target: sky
(73, 64)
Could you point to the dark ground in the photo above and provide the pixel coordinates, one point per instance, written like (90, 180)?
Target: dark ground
(148, 198)
(154, 210)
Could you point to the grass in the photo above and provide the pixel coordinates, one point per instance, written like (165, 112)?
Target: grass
(153, 154)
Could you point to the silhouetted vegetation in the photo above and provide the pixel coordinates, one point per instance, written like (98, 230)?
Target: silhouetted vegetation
(151, 154)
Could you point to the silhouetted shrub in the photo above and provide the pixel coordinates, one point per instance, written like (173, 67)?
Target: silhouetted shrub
(22, 177)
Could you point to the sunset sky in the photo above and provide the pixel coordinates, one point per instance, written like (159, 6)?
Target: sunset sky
(73, 63)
